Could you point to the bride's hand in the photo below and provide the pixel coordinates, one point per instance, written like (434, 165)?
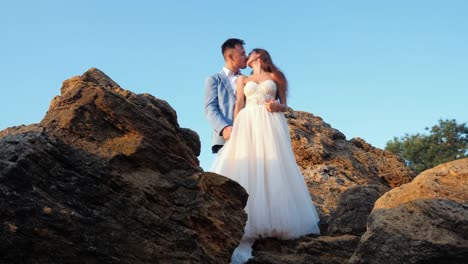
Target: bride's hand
(274, 106)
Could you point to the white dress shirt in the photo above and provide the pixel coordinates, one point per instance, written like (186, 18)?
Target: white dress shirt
(232, 77)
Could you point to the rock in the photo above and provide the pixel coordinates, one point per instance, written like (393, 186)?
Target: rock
(446, 181)
(354, 206)
(425, 221)
(108, 176)
(331, 164)
(309, 249)
(96, 115)
(419, 231)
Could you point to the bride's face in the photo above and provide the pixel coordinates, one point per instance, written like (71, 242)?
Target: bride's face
(253, 58)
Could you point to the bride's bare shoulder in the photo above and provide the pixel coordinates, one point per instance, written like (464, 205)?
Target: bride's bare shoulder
(242, 77)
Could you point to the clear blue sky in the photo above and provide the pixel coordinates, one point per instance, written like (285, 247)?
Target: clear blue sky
(372, 69)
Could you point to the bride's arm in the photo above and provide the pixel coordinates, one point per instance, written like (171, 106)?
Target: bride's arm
(283, 105)
(240, 100)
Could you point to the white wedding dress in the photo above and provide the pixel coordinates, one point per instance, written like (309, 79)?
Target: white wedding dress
(259, 156)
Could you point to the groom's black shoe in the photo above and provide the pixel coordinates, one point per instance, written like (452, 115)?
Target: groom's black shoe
(216, 148)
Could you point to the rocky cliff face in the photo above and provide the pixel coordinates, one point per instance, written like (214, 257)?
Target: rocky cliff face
(108, 176)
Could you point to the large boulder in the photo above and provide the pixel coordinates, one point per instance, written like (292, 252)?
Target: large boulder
(425, 221)
(447, 181)
(108, 176)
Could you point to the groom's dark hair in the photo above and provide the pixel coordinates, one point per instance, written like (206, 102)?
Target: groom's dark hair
(231, 44)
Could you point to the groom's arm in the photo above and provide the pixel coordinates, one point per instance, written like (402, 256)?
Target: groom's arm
(212, 111)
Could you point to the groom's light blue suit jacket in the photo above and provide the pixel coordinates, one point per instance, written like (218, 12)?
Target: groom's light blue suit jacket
(219, 105)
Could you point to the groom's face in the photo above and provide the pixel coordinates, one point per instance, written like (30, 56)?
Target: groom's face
(239, 57)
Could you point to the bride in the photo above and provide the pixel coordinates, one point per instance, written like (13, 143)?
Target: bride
(259, 156)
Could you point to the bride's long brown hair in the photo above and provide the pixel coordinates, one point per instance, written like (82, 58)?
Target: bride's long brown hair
(267, 65)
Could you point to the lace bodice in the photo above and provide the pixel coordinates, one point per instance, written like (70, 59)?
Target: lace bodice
(259, 93)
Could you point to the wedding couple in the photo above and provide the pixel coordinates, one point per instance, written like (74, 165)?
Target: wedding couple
(253, 146)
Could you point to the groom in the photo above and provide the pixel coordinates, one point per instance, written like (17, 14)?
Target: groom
(220, 92)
